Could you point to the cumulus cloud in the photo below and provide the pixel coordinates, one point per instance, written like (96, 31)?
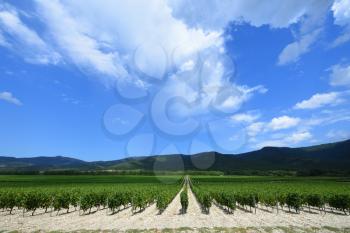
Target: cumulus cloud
(211, 14)
(139, 41)
(261, 134)
(24, 40)
(276, 14)
(341, 14)
(8, 96)
(73, 40)
(340, 75)
(275, 124)
(93, 36)
(134, 41)
(283, 122)
(101, 34)
(321, 100)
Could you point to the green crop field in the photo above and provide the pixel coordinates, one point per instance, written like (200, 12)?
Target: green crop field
(273, 192)
(81, 180)
(114, 192)
(87, 192)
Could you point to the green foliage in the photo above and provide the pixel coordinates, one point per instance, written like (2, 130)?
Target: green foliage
(277, 192)
(184, 200)
(315, 200)
(225, 199)
(32, 201)
(115, 201)
(87, 201)
(46, 201)
(204, 198)
(340, 201)
(86, 192)
(10, 200)
(61, 200)
(294, 200)
(268, 199)
(139, 201)
(247, 199)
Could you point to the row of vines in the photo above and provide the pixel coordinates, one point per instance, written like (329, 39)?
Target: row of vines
(88, 199)
(296, 197)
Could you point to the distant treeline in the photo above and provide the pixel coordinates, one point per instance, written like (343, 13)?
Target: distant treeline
(110, 172)
(314, 172)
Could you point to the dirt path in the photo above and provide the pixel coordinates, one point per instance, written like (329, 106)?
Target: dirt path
(174, 208)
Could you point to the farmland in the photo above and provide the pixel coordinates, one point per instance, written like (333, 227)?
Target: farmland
(43, 202)
(86, 192)
(273, 193)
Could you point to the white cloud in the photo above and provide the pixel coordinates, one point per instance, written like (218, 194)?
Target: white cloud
(327, 117)
(337, 135)
(74, 41)
(284, 140)
(320, 100)
(8, 96)
(24, 40)
(261, 135)
(276, 123)
(341, 14)
(210, 87)
(283, 122)
(297, 137)
(216, 14)
(274, 13)
(3, 41)
(94, 36)
(266, 143)
(124, 28)
(118, 40)
(245, 117)
(345, 37)
(255, 128)
(307, 34)
(293, 51)
(340, 75)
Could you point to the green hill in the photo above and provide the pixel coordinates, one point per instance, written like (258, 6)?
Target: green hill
(330, 157)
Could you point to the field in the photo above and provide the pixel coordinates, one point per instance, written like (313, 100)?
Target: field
(44, 202)
(274, 192)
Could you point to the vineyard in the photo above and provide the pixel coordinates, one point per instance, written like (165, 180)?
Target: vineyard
(112, 195)
(69, 203)
(115, 193)
(274, 194)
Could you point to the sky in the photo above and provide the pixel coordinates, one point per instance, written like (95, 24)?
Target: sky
(109, 79)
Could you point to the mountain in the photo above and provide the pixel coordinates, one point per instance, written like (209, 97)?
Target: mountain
(41, 163)
(332, 156)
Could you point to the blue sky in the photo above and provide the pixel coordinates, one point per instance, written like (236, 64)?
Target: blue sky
(103, 80)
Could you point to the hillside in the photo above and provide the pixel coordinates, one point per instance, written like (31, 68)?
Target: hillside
(333, 156)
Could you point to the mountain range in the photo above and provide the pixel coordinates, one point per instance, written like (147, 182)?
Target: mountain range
(331, 156)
